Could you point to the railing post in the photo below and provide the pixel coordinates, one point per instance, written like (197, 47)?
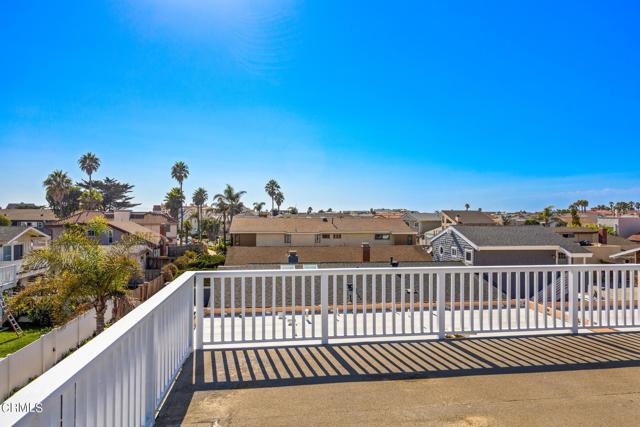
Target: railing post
(199, 311)
(573, 301)
(440, 304)
(324, 302)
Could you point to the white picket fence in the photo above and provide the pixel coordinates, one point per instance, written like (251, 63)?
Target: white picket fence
(17, 369)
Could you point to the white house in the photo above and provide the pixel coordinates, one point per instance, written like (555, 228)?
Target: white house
(16, 242)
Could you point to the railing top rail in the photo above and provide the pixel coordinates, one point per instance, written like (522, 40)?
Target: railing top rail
(423, 269)
(59, 375)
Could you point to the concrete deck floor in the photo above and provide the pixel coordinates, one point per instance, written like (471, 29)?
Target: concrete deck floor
(564, 380)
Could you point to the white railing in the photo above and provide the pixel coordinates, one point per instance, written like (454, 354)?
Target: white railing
(8, 275)
(119, 377)
(236, 306)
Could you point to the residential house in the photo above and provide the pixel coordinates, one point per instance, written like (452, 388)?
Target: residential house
(319, 231)
(321, 240)
(602, 245)
(158, 222)
(117, 227)
(506, 245)
(16, 242)
(623, 226)
(39, 218)
(451, 217)
(423, 223)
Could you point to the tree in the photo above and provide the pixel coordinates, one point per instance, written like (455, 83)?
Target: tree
(89, 163)
(84, 271)
(4, 221)
(272, 188)
(467, 206)
(575, 218)
(229, 204)
(222, 207)
(90, 200)
(180, 172)
(199, 198)
(115, 194)
(186, 230)
(279, 199)
(293, 210)
(257, 206)
(211, 227)
(309, 210)
(546, 215)
(61, 194)
(173, 200)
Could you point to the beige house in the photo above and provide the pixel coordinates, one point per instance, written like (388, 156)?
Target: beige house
(319, 231)
(16, 242)
(451, 217)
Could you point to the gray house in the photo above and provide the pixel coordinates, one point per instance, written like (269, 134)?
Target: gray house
(506, 245)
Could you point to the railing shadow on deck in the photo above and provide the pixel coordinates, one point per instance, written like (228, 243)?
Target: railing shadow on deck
(293, 365)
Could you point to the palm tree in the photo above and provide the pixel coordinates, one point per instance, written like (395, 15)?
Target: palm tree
(222, 207)
(257, 206)
(279, 199)
(229, 204)
(546, 215)
(310, 210)
(173, 200)
(57, 185)
(84, 271)
(272, 188)
(200, 197)
(89, 163)
(467, 206)
(180, 172)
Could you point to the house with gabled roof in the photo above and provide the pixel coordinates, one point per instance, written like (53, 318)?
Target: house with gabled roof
(451, 217)
(506, 245)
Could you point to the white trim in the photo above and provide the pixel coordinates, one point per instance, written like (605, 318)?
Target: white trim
(25, 230)
(464, 259)
(623, 253)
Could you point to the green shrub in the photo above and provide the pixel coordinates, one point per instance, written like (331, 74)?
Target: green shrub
(206, 262)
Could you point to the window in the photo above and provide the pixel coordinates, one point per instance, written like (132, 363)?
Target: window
(441, 250)
(468, 256)
(91, 233)
(317, 238)
(110, 236)
(18, 251)
(337, 236)
(382, 236)
(6, 253)
(287, 238)
(454, 252)
(326, 236)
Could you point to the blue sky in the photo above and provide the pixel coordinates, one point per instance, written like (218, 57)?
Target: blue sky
(424, 105)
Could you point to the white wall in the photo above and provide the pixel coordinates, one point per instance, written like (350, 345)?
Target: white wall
(18, 368)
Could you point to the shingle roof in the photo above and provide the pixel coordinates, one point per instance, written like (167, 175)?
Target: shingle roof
(8, 233)
(245, 224)
(129, 227)
(517, 235)
(423, 216)
(470, 217)
(243, 255)
(573, 230)
(29, 214)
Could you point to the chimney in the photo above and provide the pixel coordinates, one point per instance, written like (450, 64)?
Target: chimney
(293, 257)
(602, 236)
(121, 215)
(393, 263)
(366, 252)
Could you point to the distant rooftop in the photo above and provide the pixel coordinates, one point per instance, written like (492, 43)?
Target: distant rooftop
(517, 236)
(348, 224)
